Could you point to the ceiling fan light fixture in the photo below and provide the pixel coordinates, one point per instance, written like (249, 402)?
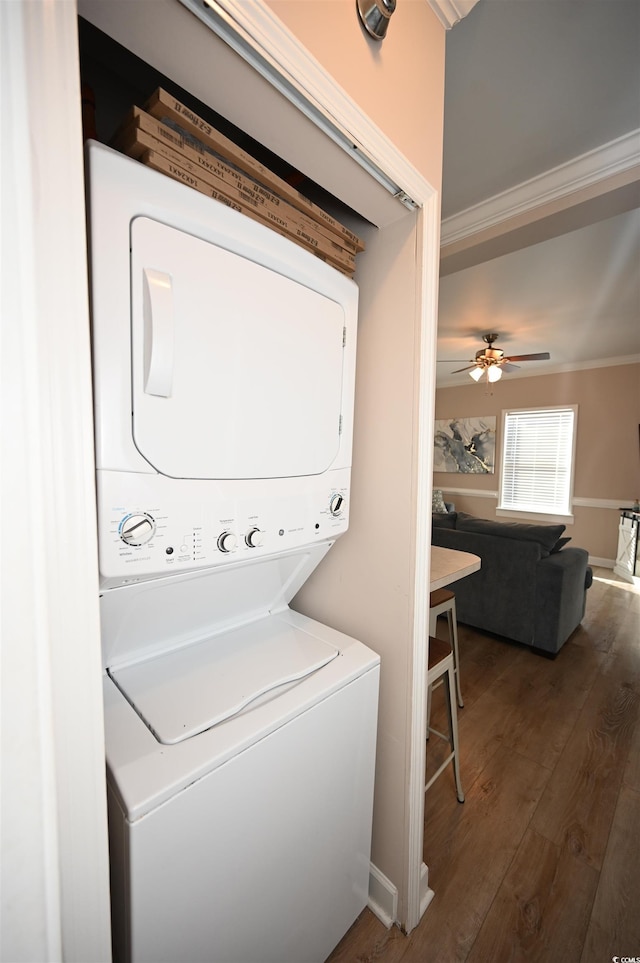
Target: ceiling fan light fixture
(493, 361)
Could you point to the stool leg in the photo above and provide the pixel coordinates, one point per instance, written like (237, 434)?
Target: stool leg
(453, 637)
(453, 732)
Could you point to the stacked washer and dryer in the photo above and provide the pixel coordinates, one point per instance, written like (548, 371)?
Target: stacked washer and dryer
(240, 734)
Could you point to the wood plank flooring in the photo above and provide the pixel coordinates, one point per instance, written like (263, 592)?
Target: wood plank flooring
(542, 861)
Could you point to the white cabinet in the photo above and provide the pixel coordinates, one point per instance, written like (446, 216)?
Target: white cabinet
(627, 560)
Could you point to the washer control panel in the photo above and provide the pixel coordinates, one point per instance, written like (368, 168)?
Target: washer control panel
(149, 528)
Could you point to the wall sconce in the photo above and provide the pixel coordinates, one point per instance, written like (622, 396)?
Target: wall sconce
(375, 16)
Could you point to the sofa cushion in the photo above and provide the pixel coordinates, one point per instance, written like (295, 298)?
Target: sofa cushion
(437, 501)
(559, 545)
(545, 535)
(444, 520)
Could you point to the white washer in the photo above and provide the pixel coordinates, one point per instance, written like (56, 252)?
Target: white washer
(240, 735)
(246, 841)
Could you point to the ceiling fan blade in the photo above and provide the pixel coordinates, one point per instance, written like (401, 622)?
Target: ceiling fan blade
(507, 366)
(541, 356)
(465, 369)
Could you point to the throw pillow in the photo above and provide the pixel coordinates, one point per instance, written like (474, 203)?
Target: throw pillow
(559, 544)
(437, 501)
(448, 520)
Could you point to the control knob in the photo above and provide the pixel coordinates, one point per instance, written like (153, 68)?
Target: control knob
(254, 538)
(137, 529)
(227, 542)
(336, 504)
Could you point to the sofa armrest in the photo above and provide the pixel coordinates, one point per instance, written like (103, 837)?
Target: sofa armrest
(562, 581)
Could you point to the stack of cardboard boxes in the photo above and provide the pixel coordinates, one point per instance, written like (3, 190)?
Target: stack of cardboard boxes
(170, 138)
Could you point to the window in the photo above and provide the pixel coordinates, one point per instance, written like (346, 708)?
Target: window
(537, 460)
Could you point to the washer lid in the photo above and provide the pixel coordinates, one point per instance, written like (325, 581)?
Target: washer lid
(185, 691)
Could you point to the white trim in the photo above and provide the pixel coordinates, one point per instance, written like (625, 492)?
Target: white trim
(262, 33)
(268, 46)
(540, 517)
(597, 363)
(615, 504)
(55, 861)
(427, 296)
(545, 369)
(581, 172)
(426, 893)
(602, 562)
(472, 492)
(451, 12)
(383, 897)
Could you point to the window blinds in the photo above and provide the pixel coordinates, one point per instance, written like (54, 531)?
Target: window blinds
(537, 460)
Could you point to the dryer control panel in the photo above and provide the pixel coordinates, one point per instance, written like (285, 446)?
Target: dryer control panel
(149, 528)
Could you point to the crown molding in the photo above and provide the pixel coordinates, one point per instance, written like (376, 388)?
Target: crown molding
(589, 170)
(455, 381)
(451, 12)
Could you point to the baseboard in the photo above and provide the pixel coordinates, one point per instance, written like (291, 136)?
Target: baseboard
(426, 894)
(601, 562)
(383, 897)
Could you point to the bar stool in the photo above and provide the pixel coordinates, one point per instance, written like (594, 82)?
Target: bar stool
(441, 668)
(442, 602)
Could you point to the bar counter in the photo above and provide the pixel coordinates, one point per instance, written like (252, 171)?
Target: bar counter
(448, 565)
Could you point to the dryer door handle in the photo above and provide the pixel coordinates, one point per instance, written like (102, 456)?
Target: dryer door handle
(158, 333)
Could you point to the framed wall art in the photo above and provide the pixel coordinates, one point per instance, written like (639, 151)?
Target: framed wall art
(465, 445)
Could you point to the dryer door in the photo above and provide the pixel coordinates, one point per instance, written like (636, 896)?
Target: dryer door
(237, 370)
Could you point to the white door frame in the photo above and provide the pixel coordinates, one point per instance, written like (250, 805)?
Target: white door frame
(55, 869)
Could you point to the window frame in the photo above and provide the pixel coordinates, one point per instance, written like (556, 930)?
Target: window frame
(539, 515)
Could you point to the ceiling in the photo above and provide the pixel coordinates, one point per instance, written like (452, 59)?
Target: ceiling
(541, 184)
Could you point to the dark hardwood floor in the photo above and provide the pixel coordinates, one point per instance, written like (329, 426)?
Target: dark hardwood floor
(542, 861)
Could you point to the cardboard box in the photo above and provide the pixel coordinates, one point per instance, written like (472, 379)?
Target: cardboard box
(158, 162)
(174, 114)
(134, 141)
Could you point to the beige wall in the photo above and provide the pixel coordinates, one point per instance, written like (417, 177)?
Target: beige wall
(398, 82)
(607, 451)
(365, 587)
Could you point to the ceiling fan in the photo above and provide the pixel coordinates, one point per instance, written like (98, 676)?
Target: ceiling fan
(493, 360)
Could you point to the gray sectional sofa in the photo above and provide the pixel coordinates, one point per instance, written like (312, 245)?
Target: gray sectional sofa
(530, 587)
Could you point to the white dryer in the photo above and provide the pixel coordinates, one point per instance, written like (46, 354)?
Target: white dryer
(240, 735)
